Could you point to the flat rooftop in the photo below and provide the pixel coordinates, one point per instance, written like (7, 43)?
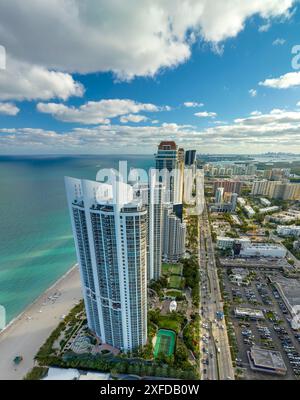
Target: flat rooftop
(272, 263)
(268, 360)
(244, 311)
(290, 288)
(267, 246)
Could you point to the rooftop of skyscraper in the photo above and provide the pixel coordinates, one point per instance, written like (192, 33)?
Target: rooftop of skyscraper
(167, 145)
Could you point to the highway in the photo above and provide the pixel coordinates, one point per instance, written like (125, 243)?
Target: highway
(214, 339)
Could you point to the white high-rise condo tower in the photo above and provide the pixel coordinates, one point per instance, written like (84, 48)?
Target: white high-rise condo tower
(152, 194)
(110, 229)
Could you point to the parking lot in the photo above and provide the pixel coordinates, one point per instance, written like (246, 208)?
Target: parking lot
(272, 332)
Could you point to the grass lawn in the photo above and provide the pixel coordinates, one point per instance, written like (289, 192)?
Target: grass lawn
(175, 281)
(168, 268)
(173, 293)
(177, 269)
(168, 322)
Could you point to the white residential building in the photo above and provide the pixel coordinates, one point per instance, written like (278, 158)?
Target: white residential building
(249, 211)
(265, 202)
(110, 233)
(276, 189)
(224, 242)
(288, 230)
(267, 210)
(241, 201)
(285, 216)
(242, 312)
(263, 250)
(152, 197)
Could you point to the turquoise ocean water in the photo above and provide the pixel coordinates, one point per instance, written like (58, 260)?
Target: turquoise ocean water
(36, 245)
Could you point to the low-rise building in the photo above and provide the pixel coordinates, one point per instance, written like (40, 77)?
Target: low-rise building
(296, 245)
(264, 360)
(239, 276)
(265, 202)
(221, 207)
(285, 217)
(242, 312)
(263, 250)
(267, 210)
(241, 201)
(288, 230)
(236, 219)
(224, 242)
(249, 211)
(71, 374)
(289, 290)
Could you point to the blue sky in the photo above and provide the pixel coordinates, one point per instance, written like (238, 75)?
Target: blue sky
(139, 87)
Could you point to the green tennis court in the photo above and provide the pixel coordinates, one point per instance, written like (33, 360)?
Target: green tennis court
(165, 342)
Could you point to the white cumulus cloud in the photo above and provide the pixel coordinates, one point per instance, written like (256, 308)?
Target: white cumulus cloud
(9, 109)
(206, 114)
(276, 130)
(285, 81)
(278, 42)
(255, 113)
(192, 104)
(130, 38)
(24, 81)
(253, 92)
(133, 118)
(98, 112)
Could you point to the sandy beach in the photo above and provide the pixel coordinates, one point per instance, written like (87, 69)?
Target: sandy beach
(28, 332)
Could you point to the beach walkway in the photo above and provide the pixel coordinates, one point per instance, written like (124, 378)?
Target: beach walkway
(24, 336)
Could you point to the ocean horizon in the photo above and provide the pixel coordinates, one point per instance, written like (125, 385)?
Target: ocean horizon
(37, 245)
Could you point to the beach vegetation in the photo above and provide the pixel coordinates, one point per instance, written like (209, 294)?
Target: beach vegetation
(36, 374)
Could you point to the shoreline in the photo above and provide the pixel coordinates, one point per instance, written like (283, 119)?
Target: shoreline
(36, 300)
(25, 334)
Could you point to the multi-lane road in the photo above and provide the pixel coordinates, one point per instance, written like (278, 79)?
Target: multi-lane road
(215, 360)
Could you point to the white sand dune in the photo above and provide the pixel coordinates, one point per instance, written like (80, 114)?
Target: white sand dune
(29, 331)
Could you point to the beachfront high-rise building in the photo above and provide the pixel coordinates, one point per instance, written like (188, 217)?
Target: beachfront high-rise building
(190, 157)
(110, 233)
(152, 196)
(174, 234)
(178, 197)
(171, 159)
(190, 161)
